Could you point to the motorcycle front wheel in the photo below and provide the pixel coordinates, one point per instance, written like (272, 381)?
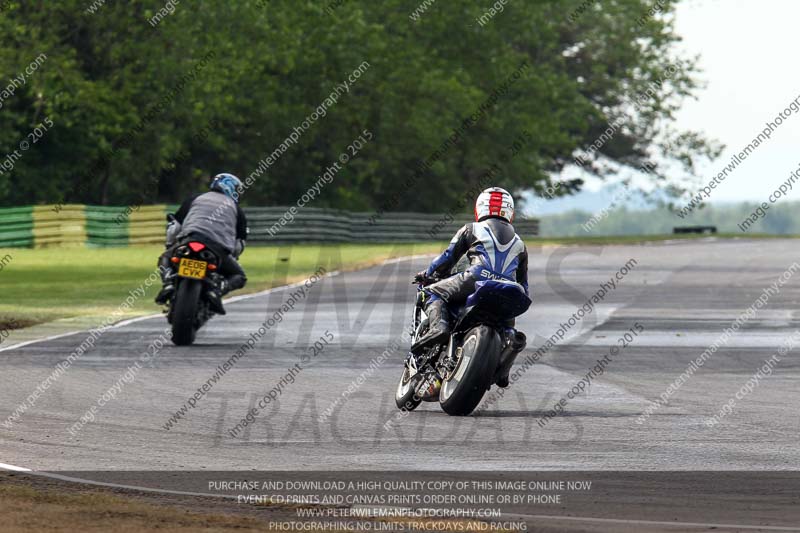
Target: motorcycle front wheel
(184, 311)
(406, 397)
(463, 389)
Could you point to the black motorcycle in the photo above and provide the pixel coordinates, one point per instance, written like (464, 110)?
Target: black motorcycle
(481, 348)
(195, 268)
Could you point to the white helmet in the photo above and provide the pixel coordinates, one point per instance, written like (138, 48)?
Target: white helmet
(494, 201)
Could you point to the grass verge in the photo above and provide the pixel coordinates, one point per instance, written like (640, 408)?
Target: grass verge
(27, 509)
(33, 503)
(54, 283)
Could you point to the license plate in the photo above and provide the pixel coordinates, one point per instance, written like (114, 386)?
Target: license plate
(189, 268)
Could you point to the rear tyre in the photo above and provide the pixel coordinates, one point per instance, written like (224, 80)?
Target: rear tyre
(184, 312)
(464, 388)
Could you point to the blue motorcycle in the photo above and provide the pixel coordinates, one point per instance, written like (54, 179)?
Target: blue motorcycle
(481, 348)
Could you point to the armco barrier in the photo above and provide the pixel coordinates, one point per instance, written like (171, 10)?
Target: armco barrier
(16, 227)
(329, 225)
(78, 225)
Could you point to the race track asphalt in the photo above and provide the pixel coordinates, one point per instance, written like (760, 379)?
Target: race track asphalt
(682, 295)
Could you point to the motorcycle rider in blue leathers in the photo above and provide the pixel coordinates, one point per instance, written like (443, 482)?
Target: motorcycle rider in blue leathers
(495, 252)
(216, 219)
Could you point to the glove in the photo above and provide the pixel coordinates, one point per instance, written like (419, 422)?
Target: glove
(421, 277)
(240, 246)
(173, 229)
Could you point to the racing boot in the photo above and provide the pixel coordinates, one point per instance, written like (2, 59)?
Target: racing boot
(234, 283)
(515, 343)
(167, 281)
(438, 328)
(165, 294)
(223, 287)
(214, 296)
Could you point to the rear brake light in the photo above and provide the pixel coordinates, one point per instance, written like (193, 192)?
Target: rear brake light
(197, 246)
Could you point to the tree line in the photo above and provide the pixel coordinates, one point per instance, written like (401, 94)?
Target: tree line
(144, 112)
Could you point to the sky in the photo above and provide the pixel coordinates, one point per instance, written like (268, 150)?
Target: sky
(749, 75)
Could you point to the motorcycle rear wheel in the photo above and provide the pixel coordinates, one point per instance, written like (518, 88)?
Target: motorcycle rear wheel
(465, 386)
(184, 312)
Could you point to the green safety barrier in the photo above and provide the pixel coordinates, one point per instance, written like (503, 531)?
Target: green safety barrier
(85, 225)
(16, 227)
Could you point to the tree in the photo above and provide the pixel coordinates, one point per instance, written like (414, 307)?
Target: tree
(147, 112)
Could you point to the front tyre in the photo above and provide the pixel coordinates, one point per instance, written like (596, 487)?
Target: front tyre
(465, 386)
(405, 396)
(184, 312)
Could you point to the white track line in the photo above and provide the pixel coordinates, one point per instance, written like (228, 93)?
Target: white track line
(43, 339)
(649, 522)
(234, 299)
(71, 479)
(130, 321)
(13, 468)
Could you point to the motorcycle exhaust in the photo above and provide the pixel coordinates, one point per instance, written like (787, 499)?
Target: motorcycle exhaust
(513, 346)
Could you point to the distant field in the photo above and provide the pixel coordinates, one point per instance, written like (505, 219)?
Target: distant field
(633, 239)
(782, 220)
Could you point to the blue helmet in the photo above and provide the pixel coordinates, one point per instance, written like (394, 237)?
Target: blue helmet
(227, 184)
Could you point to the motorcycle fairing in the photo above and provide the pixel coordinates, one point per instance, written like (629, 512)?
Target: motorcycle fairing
(500, 299)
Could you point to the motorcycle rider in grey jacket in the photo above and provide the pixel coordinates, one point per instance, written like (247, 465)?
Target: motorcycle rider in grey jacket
(216, 219)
